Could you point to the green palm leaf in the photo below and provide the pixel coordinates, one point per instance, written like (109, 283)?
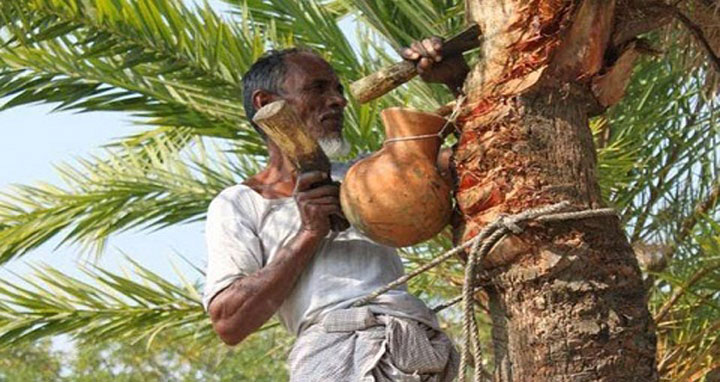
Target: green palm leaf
(110, 306)
(153, 59)
(153, 187)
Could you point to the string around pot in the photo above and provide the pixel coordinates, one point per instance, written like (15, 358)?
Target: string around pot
(441, 134)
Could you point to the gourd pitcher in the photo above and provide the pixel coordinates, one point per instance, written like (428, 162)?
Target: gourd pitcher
(396, 196)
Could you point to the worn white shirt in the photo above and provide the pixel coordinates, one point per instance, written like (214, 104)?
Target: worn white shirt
(244, 231)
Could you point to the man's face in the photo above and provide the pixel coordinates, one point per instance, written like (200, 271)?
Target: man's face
(315, 92)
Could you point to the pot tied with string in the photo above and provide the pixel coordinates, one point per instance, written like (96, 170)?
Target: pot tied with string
(397, 197)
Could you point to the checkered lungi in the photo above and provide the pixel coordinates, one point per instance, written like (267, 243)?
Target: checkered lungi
(355, 345)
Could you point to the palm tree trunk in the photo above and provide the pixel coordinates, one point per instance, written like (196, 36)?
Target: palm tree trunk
(567, 299)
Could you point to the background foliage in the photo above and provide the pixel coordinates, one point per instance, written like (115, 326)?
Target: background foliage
(177, 70)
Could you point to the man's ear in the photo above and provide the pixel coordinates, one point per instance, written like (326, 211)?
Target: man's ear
(261, 98)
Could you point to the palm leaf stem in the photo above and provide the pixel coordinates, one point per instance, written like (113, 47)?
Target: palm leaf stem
(699, 275)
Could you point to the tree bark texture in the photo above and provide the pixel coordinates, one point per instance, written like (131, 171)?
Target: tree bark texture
(567, 299)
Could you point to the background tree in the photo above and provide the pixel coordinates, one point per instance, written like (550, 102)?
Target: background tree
(122, 361)
(178, 70)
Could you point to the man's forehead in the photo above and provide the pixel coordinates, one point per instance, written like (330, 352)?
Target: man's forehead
(308, 67)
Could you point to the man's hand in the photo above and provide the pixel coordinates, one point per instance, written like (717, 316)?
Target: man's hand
(316, 203)
(432, 66)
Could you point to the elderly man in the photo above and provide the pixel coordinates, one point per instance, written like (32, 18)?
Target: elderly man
(271, 249)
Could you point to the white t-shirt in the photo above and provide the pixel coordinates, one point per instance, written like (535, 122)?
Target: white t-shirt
(244, 231)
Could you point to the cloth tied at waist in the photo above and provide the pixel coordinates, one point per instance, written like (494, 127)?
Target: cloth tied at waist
(357, 345)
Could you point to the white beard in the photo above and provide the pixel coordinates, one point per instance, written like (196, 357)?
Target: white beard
(335, 147)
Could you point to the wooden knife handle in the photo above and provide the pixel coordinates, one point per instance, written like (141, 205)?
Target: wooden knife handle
(283, 126)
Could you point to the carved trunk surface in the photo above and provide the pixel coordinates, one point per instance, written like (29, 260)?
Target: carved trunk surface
(567, 299)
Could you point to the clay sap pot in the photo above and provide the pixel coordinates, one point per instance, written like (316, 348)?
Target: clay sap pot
(396, 196)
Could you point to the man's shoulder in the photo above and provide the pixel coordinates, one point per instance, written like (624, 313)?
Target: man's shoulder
(234, 191)
(232, 200)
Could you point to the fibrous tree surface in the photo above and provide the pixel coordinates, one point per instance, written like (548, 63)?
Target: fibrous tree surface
(567, 299)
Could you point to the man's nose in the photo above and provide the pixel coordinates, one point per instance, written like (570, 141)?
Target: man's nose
(337, 99)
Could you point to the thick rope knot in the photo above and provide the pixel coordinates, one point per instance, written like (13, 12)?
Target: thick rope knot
(480, 246)
(510, 224)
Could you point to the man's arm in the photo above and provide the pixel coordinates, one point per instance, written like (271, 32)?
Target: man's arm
(249, 302)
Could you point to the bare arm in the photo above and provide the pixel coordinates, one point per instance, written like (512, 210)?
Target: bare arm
(248, 303)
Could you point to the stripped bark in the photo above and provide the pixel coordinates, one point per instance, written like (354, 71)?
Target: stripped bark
(567, 300)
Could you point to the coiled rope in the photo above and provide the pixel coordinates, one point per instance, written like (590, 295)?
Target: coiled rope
(480, 246)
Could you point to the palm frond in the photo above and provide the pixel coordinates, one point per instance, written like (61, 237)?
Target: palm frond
(310, 23)
(660, 158)
(687, 309)
(402, 22)
(109, 306)
(135, 305)
(153, 187)
(155, 59)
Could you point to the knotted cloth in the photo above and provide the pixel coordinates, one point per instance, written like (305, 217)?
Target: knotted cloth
(356, 345)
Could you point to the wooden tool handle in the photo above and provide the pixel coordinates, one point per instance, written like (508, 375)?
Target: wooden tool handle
(381, 82)
(283, 126)
(377, 84)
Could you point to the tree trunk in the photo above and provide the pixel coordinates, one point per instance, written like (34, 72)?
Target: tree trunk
(567, 299)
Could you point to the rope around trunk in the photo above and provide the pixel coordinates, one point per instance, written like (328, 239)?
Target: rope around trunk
(486, 240)
(480, 247)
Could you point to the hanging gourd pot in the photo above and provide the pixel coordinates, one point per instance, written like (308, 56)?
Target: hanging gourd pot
(396, 196)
